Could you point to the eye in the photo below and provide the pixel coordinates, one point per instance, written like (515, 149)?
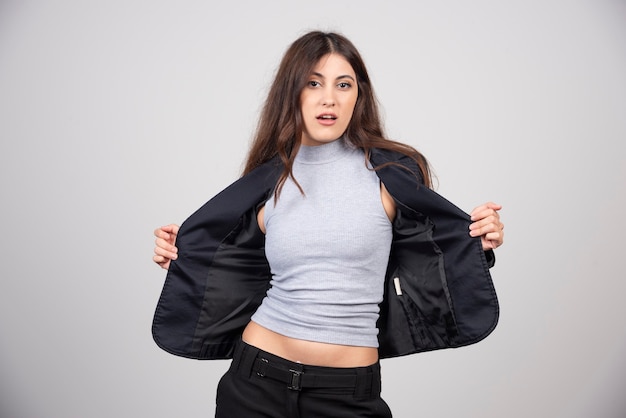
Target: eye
(313, 83)
(344, 85)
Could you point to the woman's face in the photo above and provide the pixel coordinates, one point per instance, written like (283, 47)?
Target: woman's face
(328, 100)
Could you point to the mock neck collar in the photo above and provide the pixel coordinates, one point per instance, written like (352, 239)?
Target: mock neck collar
(322, 154)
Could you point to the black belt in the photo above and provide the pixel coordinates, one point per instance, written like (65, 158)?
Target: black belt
(299, 379)
(247, 360)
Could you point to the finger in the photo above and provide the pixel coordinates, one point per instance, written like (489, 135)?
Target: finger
(492, 230)
(489, 224)
(483, 213)
(163, 263)
(484, 210)
(166, 244)
(171, 228)
(167, 231)
(488, 218)
(492, 205)
(482, 231)
(493, 239)
(480, 208)
(494, 236)
(161, 233)
(488, 245)
(162, 252)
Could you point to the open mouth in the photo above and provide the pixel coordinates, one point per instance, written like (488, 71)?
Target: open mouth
(327, 116)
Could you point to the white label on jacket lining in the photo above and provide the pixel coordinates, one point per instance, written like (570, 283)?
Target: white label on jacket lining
(396, 283)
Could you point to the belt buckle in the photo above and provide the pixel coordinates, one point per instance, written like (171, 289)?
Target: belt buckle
(295, 380)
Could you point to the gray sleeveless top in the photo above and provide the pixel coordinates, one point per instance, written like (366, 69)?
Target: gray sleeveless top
(328, 249)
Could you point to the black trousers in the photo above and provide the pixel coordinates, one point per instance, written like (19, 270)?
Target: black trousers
(259, 384)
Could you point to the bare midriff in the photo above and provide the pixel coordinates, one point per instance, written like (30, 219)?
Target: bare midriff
(308, 352)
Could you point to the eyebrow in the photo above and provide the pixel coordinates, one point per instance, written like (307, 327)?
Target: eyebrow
(337, 78)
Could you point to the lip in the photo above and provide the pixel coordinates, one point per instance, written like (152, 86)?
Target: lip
(326, 119)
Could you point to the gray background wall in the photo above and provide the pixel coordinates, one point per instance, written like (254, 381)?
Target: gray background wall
(119, 116)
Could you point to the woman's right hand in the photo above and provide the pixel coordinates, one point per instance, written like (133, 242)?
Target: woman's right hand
(165, 249)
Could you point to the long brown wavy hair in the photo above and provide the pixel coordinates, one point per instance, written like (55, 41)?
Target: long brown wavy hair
(280, 126)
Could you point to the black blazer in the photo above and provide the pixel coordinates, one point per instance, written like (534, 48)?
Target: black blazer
(438, 289)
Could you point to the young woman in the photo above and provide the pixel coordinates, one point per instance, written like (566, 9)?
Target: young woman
(330, 253)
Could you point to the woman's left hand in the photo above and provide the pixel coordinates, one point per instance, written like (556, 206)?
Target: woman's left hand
(486, 225)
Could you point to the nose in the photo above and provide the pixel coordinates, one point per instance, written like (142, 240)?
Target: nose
(328, 99)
